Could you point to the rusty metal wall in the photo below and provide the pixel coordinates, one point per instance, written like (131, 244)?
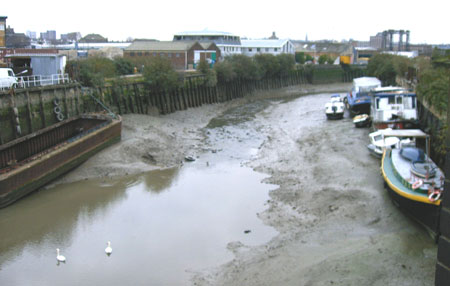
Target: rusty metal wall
(17, 152)
(58, 159)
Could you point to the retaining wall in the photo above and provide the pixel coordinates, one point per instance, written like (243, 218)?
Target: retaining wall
(23, 111)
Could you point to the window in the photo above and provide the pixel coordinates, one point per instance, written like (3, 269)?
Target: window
(177, 55)
(154, 54)
(139, 54)
(378, 103)
(267, 49)
(161, 54)
(399, 100)
(391, 100)
(131, 54)
(147, 53)
(250, 49)
(258, 49)
(169, 55)
(275, 49)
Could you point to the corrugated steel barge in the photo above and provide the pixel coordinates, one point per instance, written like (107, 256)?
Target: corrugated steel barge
(32, 161)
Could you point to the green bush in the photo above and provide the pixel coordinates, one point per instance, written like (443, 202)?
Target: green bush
(160, 75)
(224, 71)
(434, 87)
(300, 58)
(381, 66)
(91, 71)
(123, 66)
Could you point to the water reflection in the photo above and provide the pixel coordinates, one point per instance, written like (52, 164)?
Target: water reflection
(161, 224)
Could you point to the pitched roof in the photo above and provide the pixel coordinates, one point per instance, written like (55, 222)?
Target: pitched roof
(160, 46)
(206, 45)
(338, 48)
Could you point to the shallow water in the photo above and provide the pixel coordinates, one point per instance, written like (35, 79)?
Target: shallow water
(162, 225)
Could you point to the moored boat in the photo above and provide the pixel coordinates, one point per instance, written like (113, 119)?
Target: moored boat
(393, 107)
(358, 100)
(378, 142)
(362, 120)
(32, 161)
(334, 109)
(414, 182)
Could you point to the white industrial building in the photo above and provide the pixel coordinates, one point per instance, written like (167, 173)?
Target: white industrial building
(267, 46)
(228, 43)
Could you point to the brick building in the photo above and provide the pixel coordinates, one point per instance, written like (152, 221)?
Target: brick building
(182, 54)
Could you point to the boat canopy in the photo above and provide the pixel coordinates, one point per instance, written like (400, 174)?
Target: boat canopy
(417, 133)
(365, 84)
(413, 154)
(390, 89)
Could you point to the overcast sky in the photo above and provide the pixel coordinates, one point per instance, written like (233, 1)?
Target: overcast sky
(428, 21)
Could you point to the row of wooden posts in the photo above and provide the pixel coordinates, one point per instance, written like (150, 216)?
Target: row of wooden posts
(137, 98)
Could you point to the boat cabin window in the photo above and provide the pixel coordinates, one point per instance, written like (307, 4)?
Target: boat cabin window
(378, 103)
(377, 137)
(399, 100)
(391, 100)
(413, 99)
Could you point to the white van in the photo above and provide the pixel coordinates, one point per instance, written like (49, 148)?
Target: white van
(7, 78)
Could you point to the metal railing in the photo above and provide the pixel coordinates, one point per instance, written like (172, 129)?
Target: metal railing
(42, 80)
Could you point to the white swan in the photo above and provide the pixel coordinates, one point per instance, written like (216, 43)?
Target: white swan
(108, 249)
(60, 257)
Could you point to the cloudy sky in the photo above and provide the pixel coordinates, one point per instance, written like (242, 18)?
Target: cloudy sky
(428, 21)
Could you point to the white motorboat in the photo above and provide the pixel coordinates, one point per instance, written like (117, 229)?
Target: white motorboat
(334, 109)
(387, 139)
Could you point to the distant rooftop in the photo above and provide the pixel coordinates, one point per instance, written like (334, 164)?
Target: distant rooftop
(263, 43)
(160, 46)
(204, 33)
(323, 47)
(219, 38)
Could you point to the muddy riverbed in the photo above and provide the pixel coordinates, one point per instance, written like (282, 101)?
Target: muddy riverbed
(322, 216)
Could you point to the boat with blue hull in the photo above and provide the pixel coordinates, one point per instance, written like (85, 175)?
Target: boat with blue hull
(358, 100)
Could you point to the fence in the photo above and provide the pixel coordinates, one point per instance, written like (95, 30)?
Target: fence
(42, 80)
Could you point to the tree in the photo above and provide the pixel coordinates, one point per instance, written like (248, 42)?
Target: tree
(308, 58)
(267, 64)
(382, 67)
(203, 66)
(331, 60)
(300, 58)
(244, 67)
(433, 87)
(210, 75)
(91, 71)
(123, 66)
(323, 59)
(224, 71)
(160, 75)
(287, 63)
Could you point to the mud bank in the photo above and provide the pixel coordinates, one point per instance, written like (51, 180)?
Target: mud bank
(152, 142)
(336, 223)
